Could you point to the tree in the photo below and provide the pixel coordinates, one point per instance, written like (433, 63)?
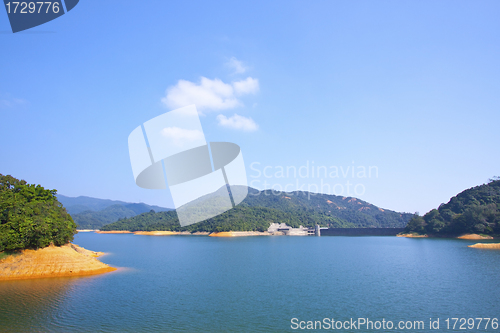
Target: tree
(416, 224)
(31, 216)
(475, 210)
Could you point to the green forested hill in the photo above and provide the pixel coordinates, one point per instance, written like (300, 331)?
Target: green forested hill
(353, 211)
(76, 205)
(476, 210)
(93, 213)
(261, 208)
(94, 220)
(31, 216)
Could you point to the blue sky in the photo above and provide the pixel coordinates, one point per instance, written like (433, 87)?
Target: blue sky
(408, 87)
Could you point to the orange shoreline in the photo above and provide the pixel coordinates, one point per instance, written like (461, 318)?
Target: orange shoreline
(65, 274)
(53, 261)
(240, 233)
(412, 236)
(466, 236)
(222, 234)
(259, 233)
(474, 236)
(156, 233)
(495, 246)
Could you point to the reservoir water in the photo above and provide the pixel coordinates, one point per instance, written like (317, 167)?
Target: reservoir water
(260, 284)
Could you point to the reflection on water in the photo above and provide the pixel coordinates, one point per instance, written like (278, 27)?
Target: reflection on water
(256, 284)
(32, 305)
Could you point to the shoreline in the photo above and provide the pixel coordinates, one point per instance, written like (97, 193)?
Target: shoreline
(465, 236)
(412, 236)
(276, 233)
(474, 236)
(197, 233)
(242, 233)
(53, 261)
(495, 246)
(156, 233)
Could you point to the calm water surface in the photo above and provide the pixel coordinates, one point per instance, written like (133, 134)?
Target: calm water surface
(257, 284)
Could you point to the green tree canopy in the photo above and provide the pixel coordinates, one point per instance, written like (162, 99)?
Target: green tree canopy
(476, 210)
(31, 216)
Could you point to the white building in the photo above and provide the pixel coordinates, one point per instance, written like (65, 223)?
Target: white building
(287, 230)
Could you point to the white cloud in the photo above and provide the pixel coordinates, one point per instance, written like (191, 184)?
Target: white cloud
(247, 86)
(209, 94)
(237, 122)
(236, 65)
(180, 136)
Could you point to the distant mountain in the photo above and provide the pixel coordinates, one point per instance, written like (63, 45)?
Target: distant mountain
(260, 208)
(347, 210)
(93, 213)
(475, 210)
(75, 205)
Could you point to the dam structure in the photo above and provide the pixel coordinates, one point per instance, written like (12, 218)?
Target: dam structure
(283, 228)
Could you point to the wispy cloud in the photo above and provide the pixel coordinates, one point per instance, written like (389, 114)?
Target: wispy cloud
(236, 65)
(12, 102)
(238, 122)
(209, 94)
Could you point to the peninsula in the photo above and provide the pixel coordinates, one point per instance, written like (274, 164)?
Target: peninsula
(471, 214)
(36, 233)
(52, 261)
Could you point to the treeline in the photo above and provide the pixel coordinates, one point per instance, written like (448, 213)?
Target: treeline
(260, 209)
(236, 219)
(476, 210)
(31, 216)
(94, 220)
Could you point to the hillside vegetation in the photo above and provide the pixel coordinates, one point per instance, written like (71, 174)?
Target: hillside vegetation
(31, 216)
(94, 220)
(261, 208)
(476, 210)
(93, 213)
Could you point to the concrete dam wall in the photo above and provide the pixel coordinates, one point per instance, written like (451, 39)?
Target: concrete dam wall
(361, 231)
